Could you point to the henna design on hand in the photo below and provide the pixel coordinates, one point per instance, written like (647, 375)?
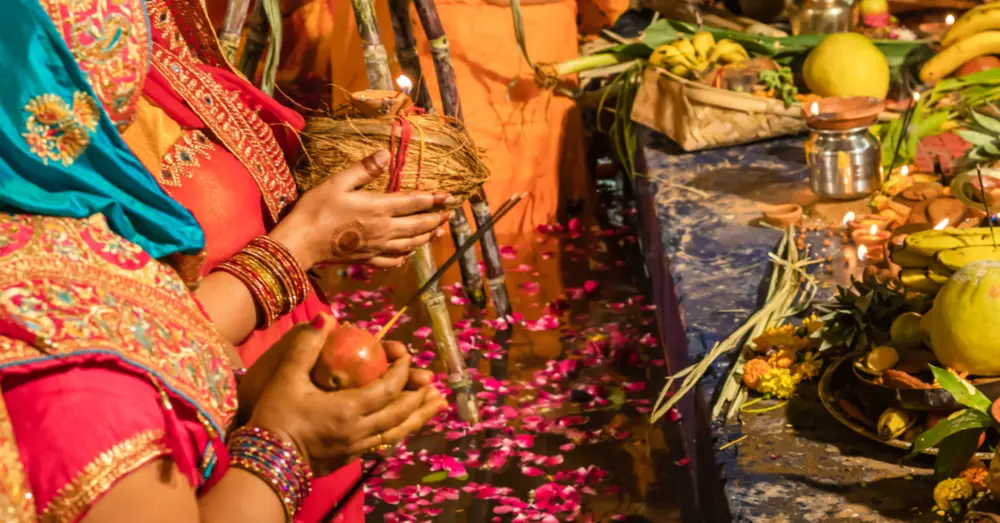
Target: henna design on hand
(348, 239)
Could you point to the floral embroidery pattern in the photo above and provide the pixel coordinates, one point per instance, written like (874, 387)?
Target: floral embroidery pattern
(187, 31)
(110, 41)
(58, 132)
(67, 286)
(183, 157)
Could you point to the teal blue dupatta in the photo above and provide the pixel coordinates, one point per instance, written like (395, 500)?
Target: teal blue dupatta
(60, 153)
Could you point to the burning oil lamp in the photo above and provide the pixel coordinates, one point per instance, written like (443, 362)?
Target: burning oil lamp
(844, 159)
(871, 255)
(871, 238)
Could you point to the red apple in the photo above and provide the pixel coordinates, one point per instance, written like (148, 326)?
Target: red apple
(979, 63)
(351, 358)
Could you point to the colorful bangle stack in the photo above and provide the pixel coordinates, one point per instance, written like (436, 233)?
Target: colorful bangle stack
(272, 275)
(276, 462)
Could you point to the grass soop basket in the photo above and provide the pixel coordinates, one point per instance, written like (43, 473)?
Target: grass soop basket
(451, 162)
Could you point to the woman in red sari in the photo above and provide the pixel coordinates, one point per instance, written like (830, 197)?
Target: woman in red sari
(228, 164)
(116, 391)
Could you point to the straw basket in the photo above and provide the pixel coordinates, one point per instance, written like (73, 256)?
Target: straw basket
(451, 162)
(700, 117)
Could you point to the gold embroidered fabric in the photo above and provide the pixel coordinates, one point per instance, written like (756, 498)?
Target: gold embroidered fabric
(151, 135)
(101, 474)
(16, 502)
(110, 41)
(186, 155)
(85, 291)
(238, 127)
(58, 131)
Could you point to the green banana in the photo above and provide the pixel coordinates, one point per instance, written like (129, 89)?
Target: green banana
(929, 243)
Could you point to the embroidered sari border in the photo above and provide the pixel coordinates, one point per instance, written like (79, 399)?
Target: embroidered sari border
(98, 476)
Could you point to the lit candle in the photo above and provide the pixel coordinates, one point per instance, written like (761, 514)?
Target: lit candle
(814, 108)
(871, 254)
(950, 19)
(404, 84)
(941, 224)
(904, 170)
(848, 218)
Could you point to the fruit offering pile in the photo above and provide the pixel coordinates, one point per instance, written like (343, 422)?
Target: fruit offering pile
(691, 57)
(969, 45)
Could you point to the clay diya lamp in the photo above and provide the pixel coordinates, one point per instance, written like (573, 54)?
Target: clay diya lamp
(866, 221)
(783, 215)
(870, 237)
(375, 103)
(871, 255)
(842, 113)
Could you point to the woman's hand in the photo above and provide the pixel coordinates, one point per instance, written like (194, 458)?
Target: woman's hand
(336, 223)
(331, 428)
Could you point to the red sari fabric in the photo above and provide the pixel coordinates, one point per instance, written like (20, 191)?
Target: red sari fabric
(228, 202)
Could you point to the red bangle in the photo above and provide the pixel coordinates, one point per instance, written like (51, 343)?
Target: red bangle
(272, 275)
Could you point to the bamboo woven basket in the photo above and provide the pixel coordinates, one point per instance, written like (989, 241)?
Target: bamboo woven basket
(440, 146)
(699, 117)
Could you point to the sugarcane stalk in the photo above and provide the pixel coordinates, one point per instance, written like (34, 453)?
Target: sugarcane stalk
(406, 51)
(232, 27)
(376, 60)
(256, 42)
(379, 77)
(452, 106)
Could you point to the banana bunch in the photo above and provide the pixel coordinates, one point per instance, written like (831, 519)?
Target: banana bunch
(929, 258)
(687, 57)
(976, 33)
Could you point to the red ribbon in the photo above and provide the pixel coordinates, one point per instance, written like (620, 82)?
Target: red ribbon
(398, 152)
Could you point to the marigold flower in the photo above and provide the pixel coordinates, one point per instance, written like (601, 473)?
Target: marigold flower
(976, 474)
(809, 368)
(951, 491)
(753, 371)
(783, 358)
(779, 383)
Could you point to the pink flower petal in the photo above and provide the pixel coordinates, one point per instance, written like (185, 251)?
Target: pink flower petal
(532, 471)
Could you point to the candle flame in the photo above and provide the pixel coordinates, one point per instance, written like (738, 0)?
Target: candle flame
(404, 83)
(904, 170)
(874, 230)
(849, 217)
(814, 108)
(950, 19)
(916, 96)
(862, 252)
(941, 224)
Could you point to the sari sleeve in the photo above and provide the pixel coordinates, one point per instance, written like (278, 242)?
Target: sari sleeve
(81, 430)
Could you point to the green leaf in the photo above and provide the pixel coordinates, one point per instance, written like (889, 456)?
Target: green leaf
(990, 124)
(435, 477)
(954, 453)
(974, 137)
(964, 392)
(962, 420)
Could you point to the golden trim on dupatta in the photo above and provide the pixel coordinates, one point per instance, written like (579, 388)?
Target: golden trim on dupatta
(102, 473)
(191, 41)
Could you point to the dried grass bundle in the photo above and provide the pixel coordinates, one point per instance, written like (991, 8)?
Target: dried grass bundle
(451, 161)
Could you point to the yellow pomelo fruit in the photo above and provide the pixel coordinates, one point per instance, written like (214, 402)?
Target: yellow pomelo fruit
(847, 64)
(961, 327)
